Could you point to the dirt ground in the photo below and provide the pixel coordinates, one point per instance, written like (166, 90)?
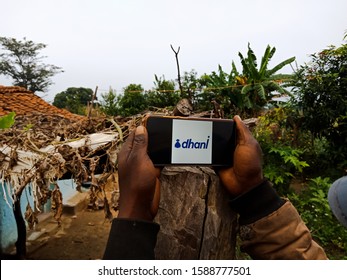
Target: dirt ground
(82, 236)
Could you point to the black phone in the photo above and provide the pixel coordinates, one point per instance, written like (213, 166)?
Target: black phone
(190, 141)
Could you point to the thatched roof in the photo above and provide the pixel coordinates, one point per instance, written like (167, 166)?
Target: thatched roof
(24, 102)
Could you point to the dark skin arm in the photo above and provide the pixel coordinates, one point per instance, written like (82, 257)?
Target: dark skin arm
(138, 179)
(246, 172)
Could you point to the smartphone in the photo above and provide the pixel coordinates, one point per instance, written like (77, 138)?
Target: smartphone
(190, 141)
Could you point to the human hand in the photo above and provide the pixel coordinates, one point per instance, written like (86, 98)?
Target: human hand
(246, 171)
(138, 179)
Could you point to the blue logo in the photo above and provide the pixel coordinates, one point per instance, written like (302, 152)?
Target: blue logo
(190, 144)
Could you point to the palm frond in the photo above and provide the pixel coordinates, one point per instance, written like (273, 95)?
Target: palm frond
(280, 66)
(245, 68)
(268, 54)
(233, 73)
(246, 89)
(276, 87)
(250, 62)
(247, 102)
(252, 59)
(260, 91)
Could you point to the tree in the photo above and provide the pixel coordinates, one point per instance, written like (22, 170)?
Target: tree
(133, 101)
(191, 86)
(110, 103)
(259, 84)
(220, 86)
(247, 92)
(163, 94)
(320, 91)
(74, 99)
(21, 61)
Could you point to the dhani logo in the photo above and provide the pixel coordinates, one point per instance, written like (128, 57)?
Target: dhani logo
(190, 144)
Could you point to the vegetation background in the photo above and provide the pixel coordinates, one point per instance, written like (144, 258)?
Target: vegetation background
(304, 139)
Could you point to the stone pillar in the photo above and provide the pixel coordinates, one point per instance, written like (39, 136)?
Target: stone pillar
(195, 219)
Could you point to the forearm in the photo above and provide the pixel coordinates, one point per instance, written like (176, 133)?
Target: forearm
(271, 228)
(131, 239)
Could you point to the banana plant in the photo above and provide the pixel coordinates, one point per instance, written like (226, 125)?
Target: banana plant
(260, 83)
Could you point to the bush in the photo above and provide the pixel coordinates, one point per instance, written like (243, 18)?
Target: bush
(282, 162)
(320, 93)
(110, 103)
(313, 206)
(133, 101)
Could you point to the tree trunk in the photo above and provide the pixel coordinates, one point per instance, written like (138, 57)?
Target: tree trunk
(195, 218)
(183, 108)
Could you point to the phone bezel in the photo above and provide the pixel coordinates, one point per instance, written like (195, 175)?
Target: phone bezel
(160, 140)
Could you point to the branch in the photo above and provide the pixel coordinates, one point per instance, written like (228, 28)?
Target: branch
(178, 69)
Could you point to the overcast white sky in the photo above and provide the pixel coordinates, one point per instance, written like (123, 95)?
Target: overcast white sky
(114, 43)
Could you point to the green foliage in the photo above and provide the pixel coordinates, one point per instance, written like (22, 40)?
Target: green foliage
(290, 156)
(28, 127)
(320, 93)
(110, 103)
(163, 95)
(248, 92)
(133, 101)
(282, 162)
(73, 99)
(313, 206)
(220, 87)
(7, 121)
(21, 61)
(191, 85)
(261, 83)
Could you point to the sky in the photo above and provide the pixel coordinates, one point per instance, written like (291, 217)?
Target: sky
(113, 43)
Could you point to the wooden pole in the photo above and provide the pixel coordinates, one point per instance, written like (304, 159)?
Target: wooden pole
(92, 102)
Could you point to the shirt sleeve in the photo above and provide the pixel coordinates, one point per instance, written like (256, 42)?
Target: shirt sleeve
(131, 240)
(271, 227)
(257, 203)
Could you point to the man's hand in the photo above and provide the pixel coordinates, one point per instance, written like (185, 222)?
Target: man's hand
(246, 171)
(138, 179)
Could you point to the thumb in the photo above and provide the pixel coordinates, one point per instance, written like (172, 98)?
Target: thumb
(243, 133)
(140, 140)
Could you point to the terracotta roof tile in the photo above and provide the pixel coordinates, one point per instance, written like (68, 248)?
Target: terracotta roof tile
(24, 102)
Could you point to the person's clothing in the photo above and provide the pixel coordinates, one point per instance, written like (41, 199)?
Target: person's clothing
(270, 228)
(337, 197)
(131, 240)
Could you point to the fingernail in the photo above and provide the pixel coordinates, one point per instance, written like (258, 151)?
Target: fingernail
(140, 130)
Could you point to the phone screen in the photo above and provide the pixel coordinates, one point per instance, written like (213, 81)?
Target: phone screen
(190, 141)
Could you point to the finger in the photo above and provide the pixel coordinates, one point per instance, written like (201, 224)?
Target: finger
(243, 133)
(140, 140)
(127, 147)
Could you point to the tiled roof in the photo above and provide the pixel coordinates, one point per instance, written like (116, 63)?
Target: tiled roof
(24, 102)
